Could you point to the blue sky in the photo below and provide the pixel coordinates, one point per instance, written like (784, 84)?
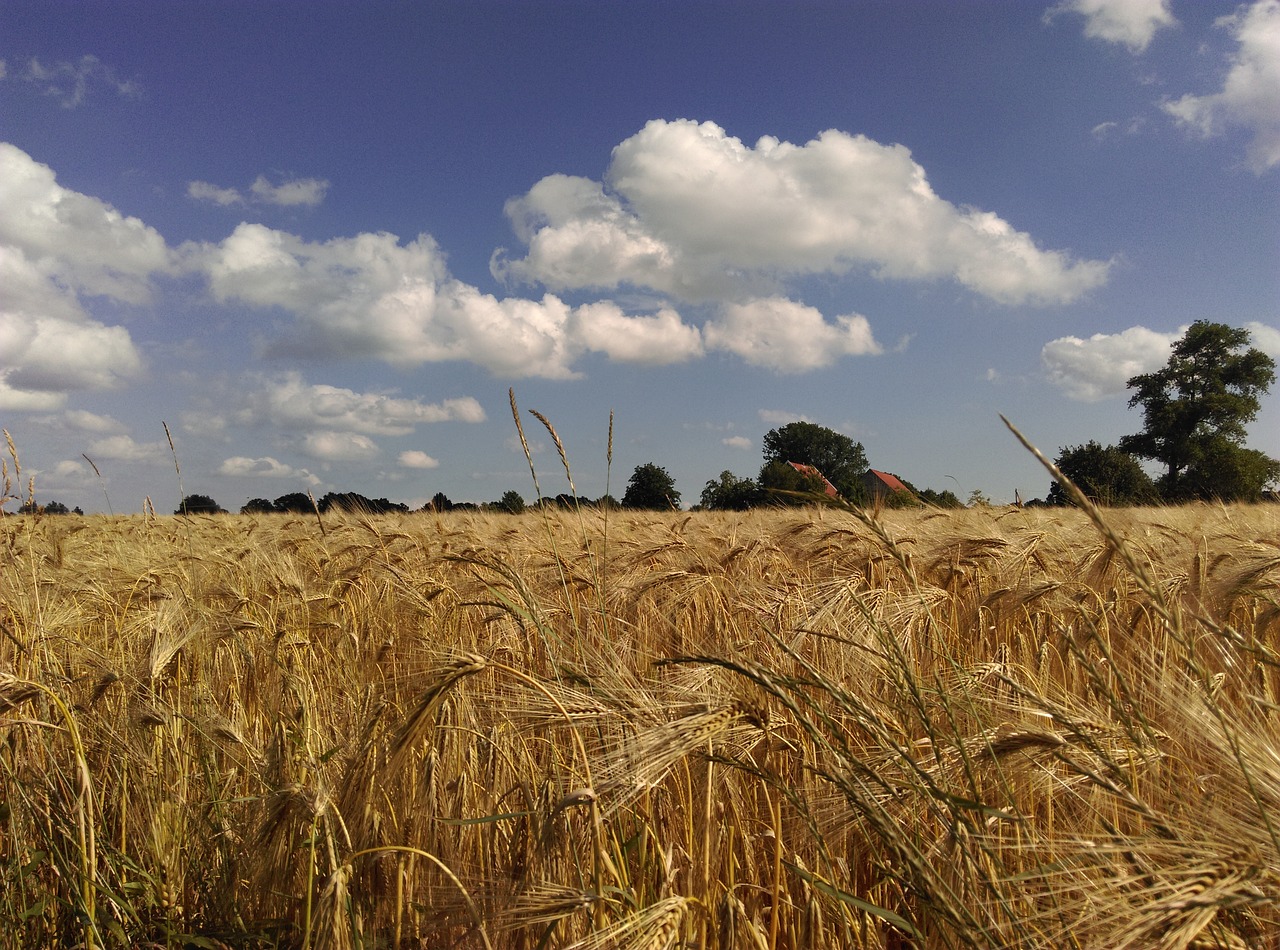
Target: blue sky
(321, 240)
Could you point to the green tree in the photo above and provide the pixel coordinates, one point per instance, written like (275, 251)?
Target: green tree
(439, 502)
(52, 508)
(257, 506)
(1195, 411)
(840, 459)
(730, 493)
(512, 502)
(1107, 475)
(295, 502)
(652, 487)
(1231, 472)
(939, 499)
(780, 484)
(199, 505)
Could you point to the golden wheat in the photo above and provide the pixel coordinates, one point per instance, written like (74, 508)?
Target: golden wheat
(781, 729)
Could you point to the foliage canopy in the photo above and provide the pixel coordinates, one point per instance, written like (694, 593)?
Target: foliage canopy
(840, 459)
(1195, 411)
(1106, 474)
(651, 486)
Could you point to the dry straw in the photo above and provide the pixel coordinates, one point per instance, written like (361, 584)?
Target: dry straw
(771, 729)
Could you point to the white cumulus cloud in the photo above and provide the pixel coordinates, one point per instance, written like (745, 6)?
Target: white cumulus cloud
(56, 247)
(1131, 22)
(690, 211)
(339, 446)
(736, 442)
(122, 448)
(265, 467)
(1099, 367)
(658, 339)
(417, 459)
(1250, 95)
(1265, 338)
(84, 421)
(787, 336)
(289, 402)
(370, 296)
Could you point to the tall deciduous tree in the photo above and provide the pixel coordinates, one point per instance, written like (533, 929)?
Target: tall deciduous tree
(1195, 411)
(840, 459)
(651, 486)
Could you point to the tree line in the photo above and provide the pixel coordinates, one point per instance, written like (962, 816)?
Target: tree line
(1195, 413)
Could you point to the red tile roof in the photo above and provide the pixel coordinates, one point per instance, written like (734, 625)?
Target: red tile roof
(891, 482)
(812, 472)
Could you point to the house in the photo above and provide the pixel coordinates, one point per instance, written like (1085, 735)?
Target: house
(808, 471)
(881, 486)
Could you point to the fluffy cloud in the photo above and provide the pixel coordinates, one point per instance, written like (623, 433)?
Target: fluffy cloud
(1250, 94)
(306, 192)
(1131, 22)
(70, 82)
(787, 336)
(57, 245)
(84, 421)
(50, 346)
(416, 459)
(122, 448)
(687, 210)
(737, 442)
(1265, 338)
(289, 402)
(339, 446)
(370, 296)
(72, 238)
(1097, 368)
(71, 469)
(265, 467)
(658, 339)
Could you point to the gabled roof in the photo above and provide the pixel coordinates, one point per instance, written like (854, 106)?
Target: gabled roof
(811, 472)
(891, 482)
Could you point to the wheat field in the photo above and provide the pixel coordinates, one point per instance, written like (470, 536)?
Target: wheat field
(800, 728)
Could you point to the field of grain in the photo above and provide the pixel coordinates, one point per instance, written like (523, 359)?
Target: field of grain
(781, 729)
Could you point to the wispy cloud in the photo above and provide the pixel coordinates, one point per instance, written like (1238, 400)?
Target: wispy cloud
(290, 193)
(71, 82)
(1250, 95)
(779, 417)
